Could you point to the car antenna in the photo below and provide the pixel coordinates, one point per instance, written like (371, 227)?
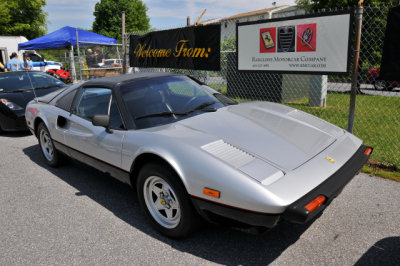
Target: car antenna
(30, 81)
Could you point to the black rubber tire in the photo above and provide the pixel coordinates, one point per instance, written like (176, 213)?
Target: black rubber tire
(190, 219)
(58, 158)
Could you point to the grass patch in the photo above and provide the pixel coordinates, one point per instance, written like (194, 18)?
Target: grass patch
(218, 87)
(384, 173)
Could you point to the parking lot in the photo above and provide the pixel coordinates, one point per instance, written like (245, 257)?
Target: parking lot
(77, 215)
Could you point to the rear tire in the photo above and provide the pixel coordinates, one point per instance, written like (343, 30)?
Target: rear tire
(165, 201)
(50, 154)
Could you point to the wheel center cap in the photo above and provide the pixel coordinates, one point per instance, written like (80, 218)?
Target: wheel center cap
(163, 202)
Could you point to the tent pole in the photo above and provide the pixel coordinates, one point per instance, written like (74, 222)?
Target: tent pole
(72, 63)
(79, 55)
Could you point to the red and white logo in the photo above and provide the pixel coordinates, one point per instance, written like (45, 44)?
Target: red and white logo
(306, 38)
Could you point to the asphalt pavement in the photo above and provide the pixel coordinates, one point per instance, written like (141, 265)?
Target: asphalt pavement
(75, 215)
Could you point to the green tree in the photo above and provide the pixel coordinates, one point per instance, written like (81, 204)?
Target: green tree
(229, 44)
(23, 18)
(108, 19)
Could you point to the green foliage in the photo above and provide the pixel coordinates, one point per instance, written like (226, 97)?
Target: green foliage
(23, 18)
(108, 19)
(229, 44)
(54, 55)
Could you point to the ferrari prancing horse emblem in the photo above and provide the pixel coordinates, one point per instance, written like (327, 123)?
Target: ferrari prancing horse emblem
(330, 159)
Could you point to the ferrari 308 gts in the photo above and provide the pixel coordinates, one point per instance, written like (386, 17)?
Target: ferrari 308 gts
(192, 152)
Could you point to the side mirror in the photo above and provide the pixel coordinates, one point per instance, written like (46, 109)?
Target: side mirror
(102, 121)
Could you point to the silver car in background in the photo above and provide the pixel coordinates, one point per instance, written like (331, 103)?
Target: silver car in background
(192, 152)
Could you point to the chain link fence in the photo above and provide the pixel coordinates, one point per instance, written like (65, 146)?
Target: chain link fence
(98, 60)
(377, 113)
(90, 60)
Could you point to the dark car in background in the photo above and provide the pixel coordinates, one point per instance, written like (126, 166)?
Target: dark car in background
(373, 78)
(16, 90)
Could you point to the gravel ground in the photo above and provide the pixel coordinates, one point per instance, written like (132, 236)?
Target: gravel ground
(77, 215)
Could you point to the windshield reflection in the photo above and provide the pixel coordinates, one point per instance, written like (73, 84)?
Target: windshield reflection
(164, 100)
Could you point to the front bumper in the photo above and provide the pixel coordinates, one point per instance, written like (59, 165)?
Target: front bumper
(295, 212)
(11, 121)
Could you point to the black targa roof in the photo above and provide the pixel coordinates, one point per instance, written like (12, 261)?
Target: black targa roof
(115, 80)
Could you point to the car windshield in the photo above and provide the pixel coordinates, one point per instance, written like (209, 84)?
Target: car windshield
(20, 81)
(163, 100)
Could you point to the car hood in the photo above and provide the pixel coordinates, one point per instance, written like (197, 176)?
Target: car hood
(282, 136)
(22, 98)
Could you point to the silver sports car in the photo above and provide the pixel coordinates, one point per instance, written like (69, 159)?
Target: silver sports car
(192, 152)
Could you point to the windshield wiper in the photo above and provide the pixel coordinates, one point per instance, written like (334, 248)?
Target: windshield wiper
(165, 113)
(170, 113)
(202, 106)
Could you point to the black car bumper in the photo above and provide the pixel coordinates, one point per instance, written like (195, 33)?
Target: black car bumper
(295, 212)
(13, 121)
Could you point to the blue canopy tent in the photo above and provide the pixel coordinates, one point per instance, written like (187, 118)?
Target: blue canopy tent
(67, 37)
(64, 38)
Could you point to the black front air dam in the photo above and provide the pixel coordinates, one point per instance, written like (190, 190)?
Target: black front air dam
(235, 214)
(295, 213)
(330, 188)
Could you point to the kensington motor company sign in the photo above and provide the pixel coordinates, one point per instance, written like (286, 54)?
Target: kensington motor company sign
(189, 48)
(302, 44)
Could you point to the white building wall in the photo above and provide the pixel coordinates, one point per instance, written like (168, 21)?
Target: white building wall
(228, 27)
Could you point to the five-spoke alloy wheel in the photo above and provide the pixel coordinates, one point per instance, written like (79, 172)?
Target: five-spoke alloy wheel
(165, 201)
(50, 154)
(161, 202)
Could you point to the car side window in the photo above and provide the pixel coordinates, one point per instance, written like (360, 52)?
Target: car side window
(96, 101)
(40, 80)
(115, 116)
(65, 101)
(93, 101)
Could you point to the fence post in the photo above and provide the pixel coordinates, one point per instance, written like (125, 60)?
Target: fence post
(79, 55)
(124, 40)
(354, 79)
(72, 63)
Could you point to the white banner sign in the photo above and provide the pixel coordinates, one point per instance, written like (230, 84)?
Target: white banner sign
(318, 44)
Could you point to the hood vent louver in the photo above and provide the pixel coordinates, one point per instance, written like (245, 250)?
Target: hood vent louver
(228, 153)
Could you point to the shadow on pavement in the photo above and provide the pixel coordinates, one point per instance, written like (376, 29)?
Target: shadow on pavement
(384, 252)
(215, 243)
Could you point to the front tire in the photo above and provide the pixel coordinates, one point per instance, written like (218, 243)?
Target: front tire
(52, 156)
(165, 201)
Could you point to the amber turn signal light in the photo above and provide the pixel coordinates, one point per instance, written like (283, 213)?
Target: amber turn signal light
(211, 192)
(317, 202)
(368, 151)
